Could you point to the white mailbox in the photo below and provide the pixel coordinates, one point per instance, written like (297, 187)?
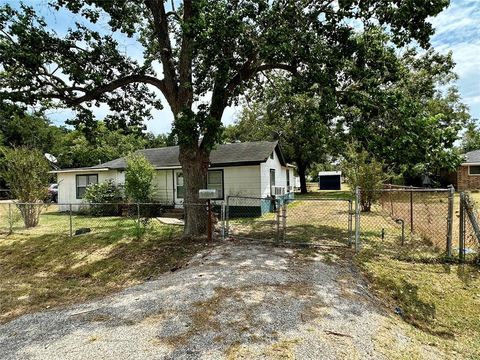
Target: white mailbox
(207, 194)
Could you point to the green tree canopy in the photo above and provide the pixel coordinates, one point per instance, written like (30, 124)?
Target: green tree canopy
(410, 121)
(401, 108)
(471, 137)
(300, 120)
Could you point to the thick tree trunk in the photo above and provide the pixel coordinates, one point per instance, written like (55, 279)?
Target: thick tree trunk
(302, 169)
(194, 161)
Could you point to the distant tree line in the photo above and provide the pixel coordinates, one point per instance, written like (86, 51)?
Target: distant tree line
(73, 148)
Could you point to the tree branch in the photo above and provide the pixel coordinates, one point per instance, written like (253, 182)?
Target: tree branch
(99, 91)
(186, 51)
(247, 72)
(160, 24)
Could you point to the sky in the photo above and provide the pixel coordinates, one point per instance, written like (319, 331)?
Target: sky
(457, 30)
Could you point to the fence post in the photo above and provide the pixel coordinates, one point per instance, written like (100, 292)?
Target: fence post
(70, 219)
(350, 221)
(138, 221)
(357, 218)
(284, 227)
(391, 201)
(451, 196)
(209, 221)
(277, 210)
(461, 235)
(411, 210)
(223, 219)
(10, 218)
(227, 216)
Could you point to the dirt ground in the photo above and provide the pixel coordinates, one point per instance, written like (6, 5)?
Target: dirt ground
(236, 301)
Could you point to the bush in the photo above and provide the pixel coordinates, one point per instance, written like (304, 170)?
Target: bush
(26, 173)
(101, 196)
(361, 169)
(138, 179)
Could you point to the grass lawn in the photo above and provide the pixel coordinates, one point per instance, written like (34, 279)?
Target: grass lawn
(44, 267)
(314, 192)
(439, 302)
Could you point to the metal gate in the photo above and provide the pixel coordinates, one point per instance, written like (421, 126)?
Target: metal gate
(322, 221)
(413, 218)
(318, 221)
(252, 218)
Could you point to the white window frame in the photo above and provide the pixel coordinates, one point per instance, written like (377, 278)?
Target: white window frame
(87, 183)
(222, 184)
(469, 173)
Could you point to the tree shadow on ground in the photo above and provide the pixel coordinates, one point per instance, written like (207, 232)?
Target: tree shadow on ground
(50, 269)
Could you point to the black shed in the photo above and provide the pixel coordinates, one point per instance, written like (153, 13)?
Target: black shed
(329, 180)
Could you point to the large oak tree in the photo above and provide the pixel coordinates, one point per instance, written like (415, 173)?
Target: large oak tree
(210, 51)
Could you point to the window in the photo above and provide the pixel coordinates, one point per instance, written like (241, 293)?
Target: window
(215, 182)
(83, 181)
(288, 179)
(180, 187)
(271, 155)
(272, 180)
(474, 170)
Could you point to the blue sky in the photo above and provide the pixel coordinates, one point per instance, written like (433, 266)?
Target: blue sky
(457, 30)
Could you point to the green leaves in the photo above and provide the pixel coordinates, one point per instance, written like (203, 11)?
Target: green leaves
(25, 171)
(138, 179)
(210, 52)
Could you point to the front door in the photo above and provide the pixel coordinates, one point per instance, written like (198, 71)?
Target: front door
(179, 188)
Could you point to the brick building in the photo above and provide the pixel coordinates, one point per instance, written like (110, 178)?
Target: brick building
(468, 173)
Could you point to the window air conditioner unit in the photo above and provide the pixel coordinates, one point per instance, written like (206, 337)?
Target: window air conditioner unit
(278, 190)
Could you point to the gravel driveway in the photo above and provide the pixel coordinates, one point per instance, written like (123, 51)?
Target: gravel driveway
(237, 301)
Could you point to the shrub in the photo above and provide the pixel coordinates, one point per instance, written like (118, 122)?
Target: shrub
(139, 175)
(26, 173)
(361, 169)
(101, 196)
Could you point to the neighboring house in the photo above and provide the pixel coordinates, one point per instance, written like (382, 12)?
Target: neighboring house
(250, 169)
(468, 173)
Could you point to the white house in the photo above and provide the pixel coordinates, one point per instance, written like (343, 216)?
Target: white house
(250, 169)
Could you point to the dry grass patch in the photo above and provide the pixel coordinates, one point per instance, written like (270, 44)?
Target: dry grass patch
(441, 302)
(43, 267)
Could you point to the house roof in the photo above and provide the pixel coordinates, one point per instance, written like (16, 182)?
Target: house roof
(247, 153)
(472, 157)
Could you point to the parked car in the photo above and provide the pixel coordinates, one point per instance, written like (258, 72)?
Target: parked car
(53, 192)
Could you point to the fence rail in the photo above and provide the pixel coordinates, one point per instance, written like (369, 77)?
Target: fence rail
(409, 219)
(469, 228)
(414, 218)
(71, 219)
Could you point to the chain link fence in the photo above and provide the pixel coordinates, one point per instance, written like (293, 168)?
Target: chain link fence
(325, 222)
(414, 222)
(469, 229)
(125, 220)
(252, 218)
(321, 221)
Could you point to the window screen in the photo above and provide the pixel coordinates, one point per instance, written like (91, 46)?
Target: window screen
(475, 170)
(272, 180)
(83, 181)
(180, 186)
(215, 182)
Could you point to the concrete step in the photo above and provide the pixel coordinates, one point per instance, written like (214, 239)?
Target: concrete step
(174, 210)
(173, 214)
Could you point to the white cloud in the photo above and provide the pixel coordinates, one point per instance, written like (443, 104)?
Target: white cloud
(457, 30)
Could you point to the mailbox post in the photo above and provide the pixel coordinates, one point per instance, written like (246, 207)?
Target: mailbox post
(208, 194)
